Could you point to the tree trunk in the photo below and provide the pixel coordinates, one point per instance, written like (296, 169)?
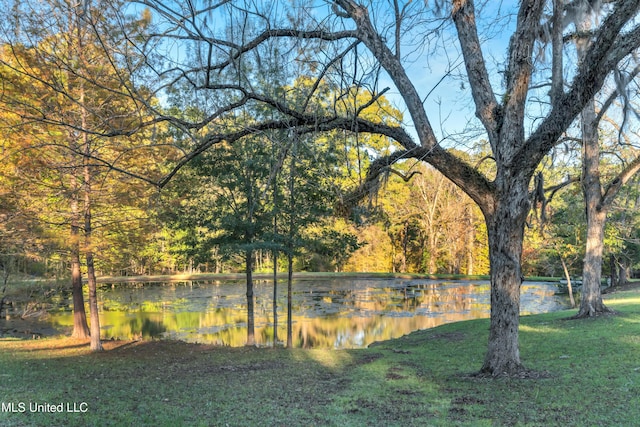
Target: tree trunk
(431, 262)
(275, 293)
(291, 242)
(505, 227)
(251, 337)
(405, 245)
(96, 345)
(290, 299)
(591, 298)
(623, 273)
(614, 271)
(591, 303)
(275, 254)
(80, 326)
(5, 279)
(568, 277)
(470, 243)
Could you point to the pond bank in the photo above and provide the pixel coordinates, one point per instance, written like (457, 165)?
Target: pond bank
(420, 379)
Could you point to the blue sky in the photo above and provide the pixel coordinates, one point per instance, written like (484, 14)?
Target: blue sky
(438, 74)
(441, 78)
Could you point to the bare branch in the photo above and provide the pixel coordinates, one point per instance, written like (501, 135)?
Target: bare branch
(557, 79)
(369, 36)
(623, 177)
(607, 49)
(404, 177)
(487, 108)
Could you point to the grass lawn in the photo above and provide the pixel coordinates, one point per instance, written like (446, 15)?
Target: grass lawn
(590, 376)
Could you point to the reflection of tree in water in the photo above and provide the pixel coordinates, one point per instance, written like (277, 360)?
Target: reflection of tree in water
(430, 297)
(349, 332)
(149, 328)
(323, 317)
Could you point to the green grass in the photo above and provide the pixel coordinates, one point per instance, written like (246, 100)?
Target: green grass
(591, 376)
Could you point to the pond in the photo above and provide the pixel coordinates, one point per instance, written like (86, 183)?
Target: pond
(335, 313)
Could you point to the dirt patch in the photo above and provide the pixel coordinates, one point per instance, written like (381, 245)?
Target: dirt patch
(394, 373)
(29, 328)
(522, 374)
(253, 366)
(367, 358)
(467, 400)
(449, 336)
(458, 410)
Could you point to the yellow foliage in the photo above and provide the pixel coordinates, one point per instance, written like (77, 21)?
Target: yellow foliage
(377, 253)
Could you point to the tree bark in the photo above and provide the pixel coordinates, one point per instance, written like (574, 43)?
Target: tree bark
(470, 242)
(275, 250)
(623, 274)
(591, 303)
(557, 50)
(80, 326)
(5, 279)
(405, 244)
(95, 345)
(275, 291)
(568, 277)
(291, 241)
(251, 337)
(614, 271)
(290, 300)
(505, 226)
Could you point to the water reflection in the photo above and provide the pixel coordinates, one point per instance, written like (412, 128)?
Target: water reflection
(347, 313)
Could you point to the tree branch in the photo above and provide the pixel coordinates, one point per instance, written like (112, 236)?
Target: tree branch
(605, 52)
(518, 73)
(623, 177)
(487, 108)
(455, 169)
(374, 42)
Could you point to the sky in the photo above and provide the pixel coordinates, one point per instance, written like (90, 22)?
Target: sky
(435, 66)
(441, 79)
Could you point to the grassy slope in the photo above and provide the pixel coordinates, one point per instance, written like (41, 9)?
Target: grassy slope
(592, 378)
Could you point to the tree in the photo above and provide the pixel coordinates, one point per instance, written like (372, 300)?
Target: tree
(306, 193)
(18, 101)
(599, 199)
(230, 206)
(624, 234)
(72, 100)
(561, 229)
(360, 46)
(19, 237)
(583, 17)
(431, 226)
